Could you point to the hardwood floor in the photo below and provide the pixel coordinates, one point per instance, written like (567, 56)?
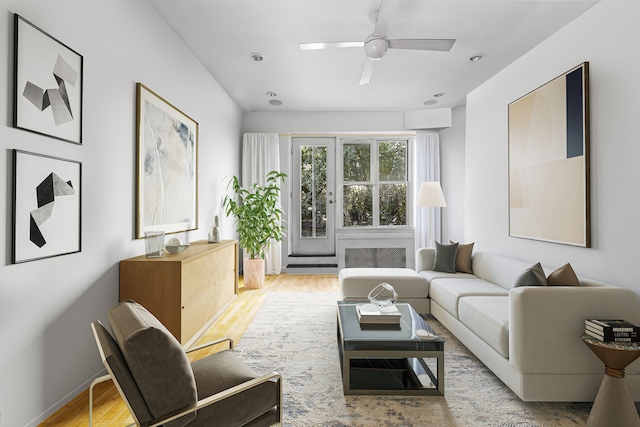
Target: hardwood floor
(108, 407)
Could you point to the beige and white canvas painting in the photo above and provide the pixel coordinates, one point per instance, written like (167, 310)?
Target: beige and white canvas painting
(549, 162)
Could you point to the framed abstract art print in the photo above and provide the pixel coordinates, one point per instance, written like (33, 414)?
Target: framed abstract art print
(46, 206)
(549, 161)
(167, 166)
(48, 84)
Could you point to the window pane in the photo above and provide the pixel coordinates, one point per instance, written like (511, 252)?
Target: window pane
(358, 208)
(313, 191)
(393, 204)
(357, 161)
(393, 160)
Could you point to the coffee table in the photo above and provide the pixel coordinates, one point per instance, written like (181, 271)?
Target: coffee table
(388, 359)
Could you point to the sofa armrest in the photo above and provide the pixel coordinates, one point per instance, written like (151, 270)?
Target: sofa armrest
(546, 322)
(425, 259)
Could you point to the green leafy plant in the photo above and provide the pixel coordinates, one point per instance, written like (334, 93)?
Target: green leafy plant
(257, 212)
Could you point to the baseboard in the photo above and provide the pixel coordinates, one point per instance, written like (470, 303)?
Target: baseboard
(66, 399)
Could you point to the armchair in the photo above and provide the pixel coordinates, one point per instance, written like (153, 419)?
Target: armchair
(160, 387)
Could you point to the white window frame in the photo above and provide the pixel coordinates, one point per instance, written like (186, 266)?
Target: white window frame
(373, 142)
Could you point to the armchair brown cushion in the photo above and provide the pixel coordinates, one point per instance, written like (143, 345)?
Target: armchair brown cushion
(253, 407)
(156, 361)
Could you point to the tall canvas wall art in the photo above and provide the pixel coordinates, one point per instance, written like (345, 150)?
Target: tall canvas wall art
(167, 166)
(549, 161)
(48, 84)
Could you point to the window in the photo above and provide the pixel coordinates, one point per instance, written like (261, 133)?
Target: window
(375, 180)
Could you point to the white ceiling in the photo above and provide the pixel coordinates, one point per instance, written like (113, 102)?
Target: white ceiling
(224, 33)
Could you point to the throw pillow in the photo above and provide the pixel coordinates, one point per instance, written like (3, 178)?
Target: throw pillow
(532, 276)
(563, 276)
(446, 258)
(463, 257)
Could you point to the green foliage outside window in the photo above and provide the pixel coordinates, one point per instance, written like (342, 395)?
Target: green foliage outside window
(389, 182)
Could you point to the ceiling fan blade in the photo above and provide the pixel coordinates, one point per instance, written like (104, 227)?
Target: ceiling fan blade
(443, 45)
(387, 10)
(367, 71)
(330, 45)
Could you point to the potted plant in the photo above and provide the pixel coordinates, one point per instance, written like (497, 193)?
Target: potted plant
(258, 219)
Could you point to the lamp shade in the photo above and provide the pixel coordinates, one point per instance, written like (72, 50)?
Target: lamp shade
(431, 195)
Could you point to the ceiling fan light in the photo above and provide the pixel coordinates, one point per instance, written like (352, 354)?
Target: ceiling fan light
(376, 46)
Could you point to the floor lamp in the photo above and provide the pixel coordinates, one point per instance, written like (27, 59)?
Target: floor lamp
(431, 196)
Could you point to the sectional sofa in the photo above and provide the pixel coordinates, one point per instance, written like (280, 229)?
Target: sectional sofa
(529, 336)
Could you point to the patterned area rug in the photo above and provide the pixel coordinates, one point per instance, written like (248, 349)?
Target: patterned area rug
(294, 333)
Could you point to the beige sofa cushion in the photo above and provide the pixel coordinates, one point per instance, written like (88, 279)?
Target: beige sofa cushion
(563, 276)
(448, 292)
(488, 318)
(358, 282)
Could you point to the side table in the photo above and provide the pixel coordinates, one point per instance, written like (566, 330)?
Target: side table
(613, 405)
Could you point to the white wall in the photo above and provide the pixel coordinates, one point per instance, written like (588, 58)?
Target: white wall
(293, 122)
(605, 36)
(452, 166)
(48, 353)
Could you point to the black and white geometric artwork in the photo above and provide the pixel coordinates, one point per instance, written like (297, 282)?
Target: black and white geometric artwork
(46, 192)
(47, 84)
(46, 206)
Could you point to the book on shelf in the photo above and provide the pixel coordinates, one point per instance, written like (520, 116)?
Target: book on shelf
(369, 313)
(611, 325)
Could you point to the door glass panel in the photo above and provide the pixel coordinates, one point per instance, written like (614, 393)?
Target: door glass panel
(393, 204)
(313, 191)
(358, 206)
(357, 161)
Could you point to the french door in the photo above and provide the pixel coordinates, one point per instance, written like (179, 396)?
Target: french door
(312, 226)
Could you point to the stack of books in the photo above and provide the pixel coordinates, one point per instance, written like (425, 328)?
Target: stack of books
(371, 314)
(612, 330)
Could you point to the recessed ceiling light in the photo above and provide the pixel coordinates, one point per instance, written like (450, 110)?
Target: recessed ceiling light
(271, 94)
(476, 57)
(257, 57)
(430, 102)
(438, 95)
(275, 102)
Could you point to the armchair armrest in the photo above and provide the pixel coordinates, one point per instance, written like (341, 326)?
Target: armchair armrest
(210, 343)
(272, 376)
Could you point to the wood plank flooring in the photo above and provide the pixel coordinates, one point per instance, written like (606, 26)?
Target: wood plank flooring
(108, 407)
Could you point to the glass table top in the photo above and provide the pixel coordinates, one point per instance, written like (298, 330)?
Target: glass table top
(357, 336)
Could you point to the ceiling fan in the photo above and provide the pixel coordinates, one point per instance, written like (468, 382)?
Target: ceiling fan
(377, 43)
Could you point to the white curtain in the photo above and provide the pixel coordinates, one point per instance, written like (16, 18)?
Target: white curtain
(427, 168)
(261, 155)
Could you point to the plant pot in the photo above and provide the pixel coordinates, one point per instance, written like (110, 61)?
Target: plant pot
(253, 273)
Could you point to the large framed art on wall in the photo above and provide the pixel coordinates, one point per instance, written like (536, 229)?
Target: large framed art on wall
(46, 206)
(48, 84)
(549, 161)
(167, 167)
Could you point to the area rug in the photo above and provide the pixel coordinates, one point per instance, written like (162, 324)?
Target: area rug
(294, 333)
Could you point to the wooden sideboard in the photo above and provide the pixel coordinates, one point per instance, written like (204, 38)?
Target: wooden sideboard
(185, 291)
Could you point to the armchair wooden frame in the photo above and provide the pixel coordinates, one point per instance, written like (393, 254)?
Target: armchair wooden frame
(273, 376)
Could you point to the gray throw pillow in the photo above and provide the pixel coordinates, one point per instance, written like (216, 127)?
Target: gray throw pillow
(446, 258)
(532, 276)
